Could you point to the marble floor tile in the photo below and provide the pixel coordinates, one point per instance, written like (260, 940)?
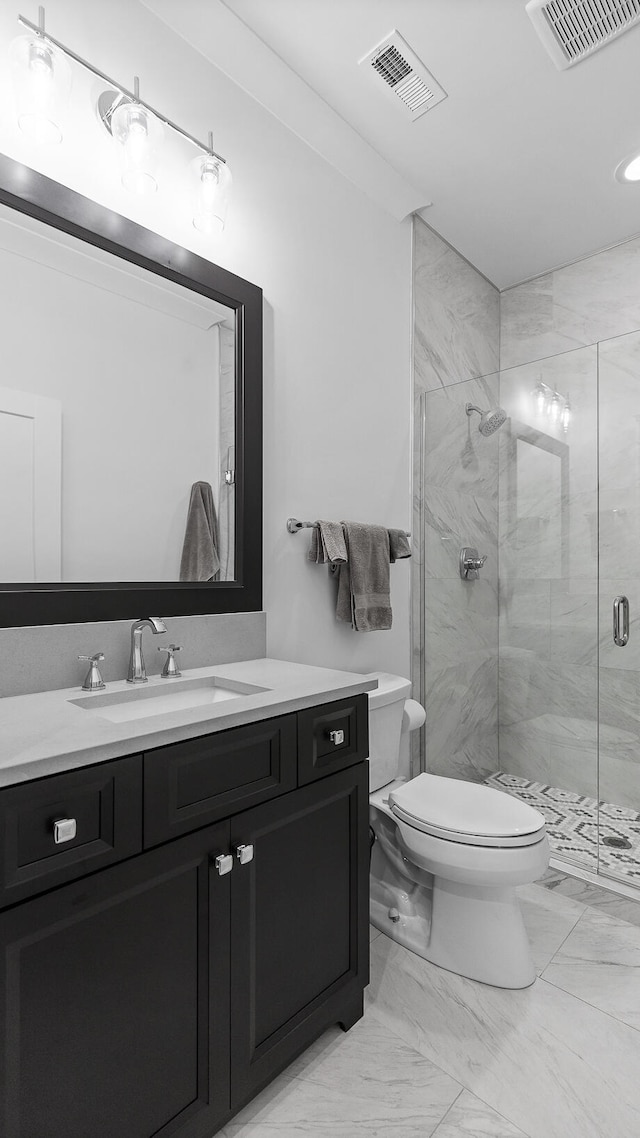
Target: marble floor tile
(549, 919)
(593, 896)
(363, 1082)
(545, 1060)
(600, 963)
(469, 1117)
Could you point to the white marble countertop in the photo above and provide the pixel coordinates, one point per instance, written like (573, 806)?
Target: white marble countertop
(47, 732)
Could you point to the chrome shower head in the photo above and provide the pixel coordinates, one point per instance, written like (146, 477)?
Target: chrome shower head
(490, 421)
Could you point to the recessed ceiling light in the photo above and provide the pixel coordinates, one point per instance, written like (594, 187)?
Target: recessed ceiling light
(629, 169)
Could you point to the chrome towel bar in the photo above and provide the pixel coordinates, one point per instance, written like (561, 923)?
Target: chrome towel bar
(293, 525)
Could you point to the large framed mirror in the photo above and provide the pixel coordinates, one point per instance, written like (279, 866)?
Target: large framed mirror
(130, 418)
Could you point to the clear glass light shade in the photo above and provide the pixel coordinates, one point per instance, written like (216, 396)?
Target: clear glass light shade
(139, 136)
(211, 181)
(42, 82)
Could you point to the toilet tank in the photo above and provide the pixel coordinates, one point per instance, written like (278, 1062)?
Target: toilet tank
(386, 707)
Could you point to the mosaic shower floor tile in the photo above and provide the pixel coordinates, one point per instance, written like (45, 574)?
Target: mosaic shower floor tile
(580, 828)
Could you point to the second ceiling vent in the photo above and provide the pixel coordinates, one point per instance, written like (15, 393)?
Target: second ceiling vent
(405, 76)
(573, 29)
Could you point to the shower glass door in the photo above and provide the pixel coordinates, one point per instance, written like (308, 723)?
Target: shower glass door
(619, 554)
(548, 525)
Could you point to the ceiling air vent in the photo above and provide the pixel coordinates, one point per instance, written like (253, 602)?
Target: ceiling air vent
(405, 76)
(573, 29)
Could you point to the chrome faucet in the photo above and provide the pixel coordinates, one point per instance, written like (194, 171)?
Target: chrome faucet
(137, 672)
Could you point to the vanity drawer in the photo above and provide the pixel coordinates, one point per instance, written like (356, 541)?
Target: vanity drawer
(104, 802)
(190, 784)
(331, 737)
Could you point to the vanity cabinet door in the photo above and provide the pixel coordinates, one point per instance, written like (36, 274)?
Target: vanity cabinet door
(114, 1001)
(299, 933)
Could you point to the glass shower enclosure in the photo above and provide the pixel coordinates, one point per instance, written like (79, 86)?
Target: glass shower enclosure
(531, 673)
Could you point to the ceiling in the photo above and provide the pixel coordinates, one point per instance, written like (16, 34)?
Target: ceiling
(517, 162)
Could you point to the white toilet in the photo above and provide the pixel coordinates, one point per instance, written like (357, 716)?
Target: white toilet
(447, 854)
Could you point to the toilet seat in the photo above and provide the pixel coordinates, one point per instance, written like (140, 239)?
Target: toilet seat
(466, 812)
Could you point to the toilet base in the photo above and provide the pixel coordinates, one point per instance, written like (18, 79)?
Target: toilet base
(477, 933)
(480, 933)
(474, 931)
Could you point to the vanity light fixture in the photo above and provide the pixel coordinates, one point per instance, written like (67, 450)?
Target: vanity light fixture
(136, 126)
(629, 169)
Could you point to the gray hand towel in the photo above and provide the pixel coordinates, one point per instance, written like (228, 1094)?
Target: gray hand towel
(327, 543)
(200, 560)
(363, 586)
(398, 545)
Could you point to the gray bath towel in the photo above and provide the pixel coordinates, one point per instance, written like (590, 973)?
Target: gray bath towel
(398, 545)
(327, 543)
(200, 560)
(363, 586)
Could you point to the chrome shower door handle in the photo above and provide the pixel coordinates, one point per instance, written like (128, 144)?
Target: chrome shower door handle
(621, 621)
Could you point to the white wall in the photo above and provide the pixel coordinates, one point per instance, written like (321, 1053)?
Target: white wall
(335, 271)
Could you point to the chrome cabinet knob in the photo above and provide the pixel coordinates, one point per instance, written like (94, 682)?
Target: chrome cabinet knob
(64, 830)
(244, 854)
(337, 737)
(223, 864)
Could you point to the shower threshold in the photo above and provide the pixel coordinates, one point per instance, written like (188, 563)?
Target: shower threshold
(589, 834)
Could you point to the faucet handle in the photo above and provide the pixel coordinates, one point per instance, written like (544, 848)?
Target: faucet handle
(170, 668)
(93, 680)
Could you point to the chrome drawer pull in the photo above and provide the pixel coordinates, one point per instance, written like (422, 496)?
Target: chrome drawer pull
(337, 737)
(64, 830)
(244, 854)
(224, 864)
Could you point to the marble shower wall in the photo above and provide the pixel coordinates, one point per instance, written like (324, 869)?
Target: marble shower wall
(555, 712)
(455, 648)
(594, 299)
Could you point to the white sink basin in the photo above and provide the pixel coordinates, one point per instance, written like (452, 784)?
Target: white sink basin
(163, 696)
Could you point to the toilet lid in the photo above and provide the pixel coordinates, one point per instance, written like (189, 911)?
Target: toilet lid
(466, 812)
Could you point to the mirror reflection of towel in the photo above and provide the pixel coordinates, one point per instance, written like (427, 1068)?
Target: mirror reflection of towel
(200, 560)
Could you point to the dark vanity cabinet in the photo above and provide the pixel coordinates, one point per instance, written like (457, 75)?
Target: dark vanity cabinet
(206, 923)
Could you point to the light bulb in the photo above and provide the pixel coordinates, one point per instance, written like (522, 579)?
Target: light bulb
(554, 410)
(565, 418)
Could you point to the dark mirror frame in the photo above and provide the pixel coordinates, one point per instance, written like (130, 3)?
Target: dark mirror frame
(34, 194)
